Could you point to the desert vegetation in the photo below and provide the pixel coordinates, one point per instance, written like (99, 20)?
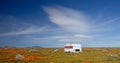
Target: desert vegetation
(57, 55)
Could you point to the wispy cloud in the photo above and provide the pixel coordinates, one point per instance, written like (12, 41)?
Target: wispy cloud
(73, 21)
(68, 19)
(72, 38)
(83, 36)
(11, 25)
(107, 22)
(29, 30)
(76, 21)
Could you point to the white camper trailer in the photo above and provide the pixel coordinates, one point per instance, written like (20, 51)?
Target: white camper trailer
(72, 48)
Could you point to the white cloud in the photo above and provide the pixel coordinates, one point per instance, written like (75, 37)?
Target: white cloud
(76, 21)
(82, 36)
(68, 19)
(72, 38)
(29, 30)
(72, 21)
(58, 37)
(106, 23)
(11, 25)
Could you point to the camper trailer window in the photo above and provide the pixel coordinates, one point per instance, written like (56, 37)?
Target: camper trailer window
(77, 50)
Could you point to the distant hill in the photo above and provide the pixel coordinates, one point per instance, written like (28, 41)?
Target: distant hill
(37, 47)
(34, 47)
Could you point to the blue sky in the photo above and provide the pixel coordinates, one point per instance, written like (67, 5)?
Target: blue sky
(53, 23)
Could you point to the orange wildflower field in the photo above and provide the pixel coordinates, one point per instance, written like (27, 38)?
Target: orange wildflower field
(57, 55)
